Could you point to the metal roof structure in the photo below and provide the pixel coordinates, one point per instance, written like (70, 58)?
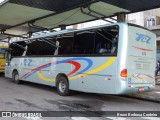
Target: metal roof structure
(19, 17)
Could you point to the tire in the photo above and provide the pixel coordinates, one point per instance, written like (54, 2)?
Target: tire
(62, 86)
(16, 77)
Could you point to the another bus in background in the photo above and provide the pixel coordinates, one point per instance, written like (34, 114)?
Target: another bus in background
(2, 59)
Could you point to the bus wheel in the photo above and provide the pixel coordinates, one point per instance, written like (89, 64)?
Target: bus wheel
(62, 86)
(16, 77)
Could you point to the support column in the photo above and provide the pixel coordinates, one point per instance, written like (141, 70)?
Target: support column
(121, 17)
(9, 38)
(30, 34)
(63, 27)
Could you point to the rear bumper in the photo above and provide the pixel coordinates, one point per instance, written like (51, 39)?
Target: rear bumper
(136, 88)
(146, 89)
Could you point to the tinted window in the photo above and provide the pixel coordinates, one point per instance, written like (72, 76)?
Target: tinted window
(84, 43)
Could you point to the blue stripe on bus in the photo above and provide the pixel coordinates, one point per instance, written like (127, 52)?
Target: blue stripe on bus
(89, 61)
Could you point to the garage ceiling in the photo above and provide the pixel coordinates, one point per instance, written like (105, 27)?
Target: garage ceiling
(20, 17)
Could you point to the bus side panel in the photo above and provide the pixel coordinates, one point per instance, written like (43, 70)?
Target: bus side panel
(44, 70)
(99, 78)
(87, 74)
(8, 71)
(15, 64)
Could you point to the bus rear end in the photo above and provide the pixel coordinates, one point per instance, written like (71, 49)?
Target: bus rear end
(138, 71)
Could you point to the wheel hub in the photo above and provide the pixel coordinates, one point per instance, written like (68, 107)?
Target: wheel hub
(16, 77)
(62, 86)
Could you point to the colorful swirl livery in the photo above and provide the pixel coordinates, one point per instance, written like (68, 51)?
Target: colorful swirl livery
(75, 73)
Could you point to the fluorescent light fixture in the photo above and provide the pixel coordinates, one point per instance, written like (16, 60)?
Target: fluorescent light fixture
(2, 2)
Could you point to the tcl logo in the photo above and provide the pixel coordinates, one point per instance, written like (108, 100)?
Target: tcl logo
(143, 38)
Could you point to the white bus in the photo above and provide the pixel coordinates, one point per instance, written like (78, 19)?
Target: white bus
(118, 58)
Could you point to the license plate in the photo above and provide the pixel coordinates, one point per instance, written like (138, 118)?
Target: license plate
(141, 89)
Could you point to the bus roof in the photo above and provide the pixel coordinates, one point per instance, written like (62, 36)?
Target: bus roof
(77, 30)
(69, 31)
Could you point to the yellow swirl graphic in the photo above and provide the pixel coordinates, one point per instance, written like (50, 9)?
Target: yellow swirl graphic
(45, 79)
(102, 67)
(108, 63)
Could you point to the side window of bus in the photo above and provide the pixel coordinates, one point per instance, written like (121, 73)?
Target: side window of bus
(17, 49)
(43, 46)
(106, 40)
(84, 42)
(65, 43)
(2, 50)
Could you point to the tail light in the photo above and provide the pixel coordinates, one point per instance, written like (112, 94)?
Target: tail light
(124, 73)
